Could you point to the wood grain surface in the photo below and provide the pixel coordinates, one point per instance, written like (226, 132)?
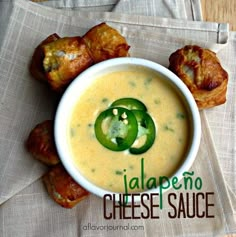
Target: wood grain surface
(220, 11)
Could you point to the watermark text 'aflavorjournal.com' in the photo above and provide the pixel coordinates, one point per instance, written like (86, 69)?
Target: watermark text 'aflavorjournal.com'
(94, 227)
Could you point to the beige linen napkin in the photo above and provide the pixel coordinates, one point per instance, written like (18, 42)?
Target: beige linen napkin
(224, 129)
(180, 9)
(24, 102)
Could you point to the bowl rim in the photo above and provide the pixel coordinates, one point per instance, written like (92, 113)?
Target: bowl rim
(60, 114)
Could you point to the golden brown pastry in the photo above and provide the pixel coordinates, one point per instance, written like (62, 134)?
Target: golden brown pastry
(40, 143)
(36, 65)
(104, 42)
(201, 71)
(59, 60)
(64, 59)
(62, 188)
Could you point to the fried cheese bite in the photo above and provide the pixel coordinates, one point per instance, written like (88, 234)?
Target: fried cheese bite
(104, 42)
(62, 188)
(64, 59)
(201, 71)
(40, 143)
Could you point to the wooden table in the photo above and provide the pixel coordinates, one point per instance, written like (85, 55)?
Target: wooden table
(220, 11)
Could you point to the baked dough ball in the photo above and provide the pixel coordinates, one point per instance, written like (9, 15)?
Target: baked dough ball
(62, 188)
(201, 71)
(40, 143)
(104, 42)
(64, 59)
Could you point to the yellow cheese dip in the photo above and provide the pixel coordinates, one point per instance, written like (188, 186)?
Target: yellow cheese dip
(106, 168)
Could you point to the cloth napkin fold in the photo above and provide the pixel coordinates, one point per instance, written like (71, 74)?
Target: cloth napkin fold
(189, 10)
(25, 102)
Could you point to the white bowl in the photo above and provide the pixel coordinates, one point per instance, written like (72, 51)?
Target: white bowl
(71, 96)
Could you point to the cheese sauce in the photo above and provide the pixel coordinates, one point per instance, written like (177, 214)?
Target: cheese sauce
(106, 168)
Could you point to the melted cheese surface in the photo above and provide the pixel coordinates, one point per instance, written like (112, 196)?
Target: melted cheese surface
(106, 168)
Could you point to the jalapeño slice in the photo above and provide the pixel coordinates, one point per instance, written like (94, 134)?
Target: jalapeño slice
(146, 127)
(129, 103)
(116, 128)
